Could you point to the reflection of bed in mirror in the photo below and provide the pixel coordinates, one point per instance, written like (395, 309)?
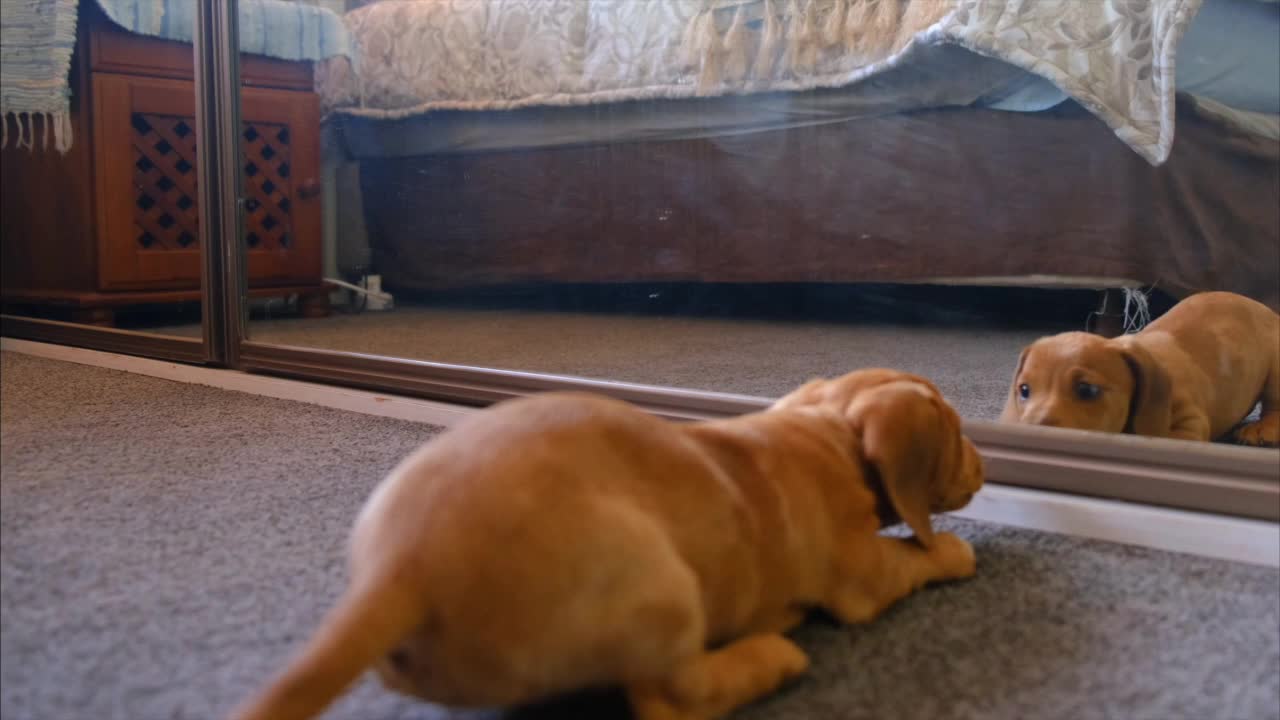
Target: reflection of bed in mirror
(946, 166)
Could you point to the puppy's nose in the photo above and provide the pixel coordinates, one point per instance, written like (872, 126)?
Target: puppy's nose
(399, 660)
(1049, 422)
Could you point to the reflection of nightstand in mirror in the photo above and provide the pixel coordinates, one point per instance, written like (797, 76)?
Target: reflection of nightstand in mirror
(113, 222)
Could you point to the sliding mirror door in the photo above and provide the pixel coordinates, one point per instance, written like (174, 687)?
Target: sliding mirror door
(733, 198)
(102, 210)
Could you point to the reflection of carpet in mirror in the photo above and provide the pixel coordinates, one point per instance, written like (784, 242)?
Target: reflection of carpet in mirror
(971, 365)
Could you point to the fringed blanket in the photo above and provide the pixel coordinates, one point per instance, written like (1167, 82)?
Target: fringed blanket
(287, 29)
(36, 41)
(37, 38)
(1114, 56)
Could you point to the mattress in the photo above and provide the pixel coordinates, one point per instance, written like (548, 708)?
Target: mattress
(932, 77)
(1230, 56)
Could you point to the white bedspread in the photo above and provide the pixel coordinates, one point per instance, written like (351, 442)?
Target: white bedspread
(1115, 57)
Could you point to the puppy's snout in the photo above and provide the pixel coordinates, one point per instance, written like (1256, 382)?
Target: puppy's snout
(973, 460)
(1050, 416)
(393, 670)
(967, 480)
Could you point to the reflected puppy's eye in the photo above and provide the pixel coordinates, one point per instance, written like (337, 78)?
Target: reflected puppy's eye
(1087, 391)
(1024, 391)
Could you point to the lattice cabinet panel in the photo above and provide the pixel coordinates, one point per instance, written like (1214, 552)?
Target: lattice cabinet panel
(268, 186)
(126, 229)
(164, 180)
(148, 193)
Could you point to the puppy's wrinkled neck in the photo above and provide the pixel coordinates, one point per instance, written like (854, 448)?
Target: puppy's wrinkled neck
(836, 431)
(771, 440)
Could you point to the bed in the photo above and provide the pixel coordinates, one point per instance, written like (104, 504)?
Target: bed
(767, 141)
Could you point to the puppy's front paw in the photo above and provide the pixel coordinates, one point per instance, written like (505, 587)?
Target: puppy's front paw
(954, 556)
(1261, 433)
(787, 659)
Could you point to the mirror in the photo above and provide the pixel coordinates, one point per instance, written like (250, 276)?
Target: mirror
(739, 196)
(100, 205)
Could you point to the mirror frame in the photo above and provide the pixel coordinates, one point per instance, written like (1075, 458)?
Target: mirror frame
(1204, 477)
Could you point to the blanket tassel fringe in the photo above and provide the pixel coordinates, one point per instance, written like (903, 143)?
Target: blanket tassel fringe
(35, 131)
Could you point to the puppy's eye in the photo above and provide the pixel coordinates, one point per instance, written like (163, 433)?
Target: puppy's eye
(1087, 391)
(1024, 391)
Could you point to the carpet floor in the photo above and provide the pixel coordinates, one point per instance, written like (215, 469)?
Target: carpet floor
(748, 356)
(164, 547)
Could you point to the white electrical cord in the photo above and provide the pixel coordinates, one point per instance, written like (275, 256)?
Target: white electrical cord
(375, 298)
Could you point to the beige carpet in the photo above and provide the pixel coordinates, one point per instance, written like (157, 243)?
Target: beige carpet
(754, 357)
(754, 340)
(164, 547)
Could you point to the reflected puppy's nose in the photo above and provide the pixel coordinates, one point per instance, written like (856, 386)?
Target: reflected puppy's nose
(1048, 417)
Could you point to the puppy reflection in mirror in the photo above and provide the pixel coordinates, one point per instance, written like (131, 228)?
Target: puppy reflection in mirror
(1193, 374)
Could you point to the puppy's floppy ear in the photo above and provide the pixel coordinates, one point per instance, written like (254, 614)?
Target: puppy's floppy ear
(1010, 413)
(1151, 407)
(900, 428)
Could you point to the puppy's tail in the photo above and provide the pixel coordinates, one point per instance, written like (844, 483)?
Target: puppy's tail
(369, 619)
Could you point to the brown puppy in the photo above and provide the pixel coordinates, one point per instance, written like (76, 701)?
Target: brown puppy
(568, 541)
(1193, 374)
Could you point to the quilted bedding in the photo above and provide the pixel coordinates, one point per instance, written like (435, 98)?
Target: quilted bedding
(1115, 57)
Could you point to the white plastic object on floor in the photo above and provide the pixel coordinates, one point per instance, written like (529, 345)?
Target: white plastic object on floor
(375, 297)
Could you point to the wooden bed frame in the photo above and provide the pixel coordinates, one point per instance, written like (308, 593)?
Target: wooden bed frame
(954, 193)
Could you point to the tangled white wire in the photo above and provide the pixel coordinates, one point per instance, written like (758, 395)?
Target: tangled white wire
(1137, 310)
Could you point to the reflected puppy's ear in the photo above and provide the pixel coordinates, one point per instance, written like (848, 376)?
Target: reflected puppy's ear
(1151, 406)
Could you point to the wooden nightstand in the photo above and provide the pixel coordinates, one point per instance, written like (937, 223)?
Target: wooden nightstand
(114, 223)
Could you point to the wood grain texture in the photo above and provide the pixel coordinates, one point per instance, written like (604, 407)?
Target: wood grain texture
(46, 204)
(282, 146)
(935, 194)
(117, 214)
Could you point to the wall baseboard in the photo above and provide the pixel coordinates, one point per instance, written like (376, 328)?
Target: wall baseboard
(1256, 542)
(340, 398)
(1228, 538)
